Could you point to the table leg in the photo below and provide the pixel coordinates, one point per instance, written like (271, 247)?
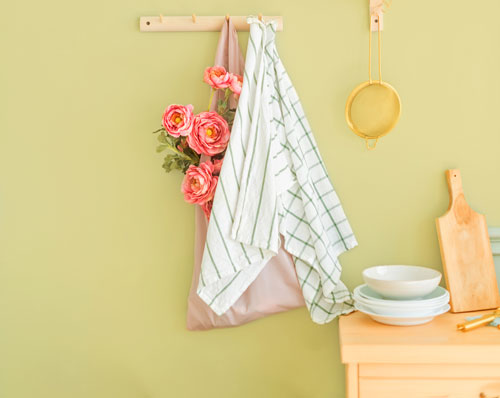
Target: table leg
(352, 380)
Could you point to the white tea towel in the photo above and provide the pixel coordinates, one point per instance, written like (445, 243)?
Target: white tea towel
(273, 182)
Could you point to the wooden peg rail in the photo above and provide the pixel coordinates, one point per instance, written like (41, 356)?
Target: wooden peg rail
(197, 23)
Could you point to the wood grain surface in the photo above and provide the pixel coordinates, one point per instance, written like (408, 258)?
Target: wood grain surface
(466, 253)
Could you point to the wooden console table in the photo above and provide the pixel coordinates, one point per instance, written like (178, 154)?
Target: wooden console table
(427, 361)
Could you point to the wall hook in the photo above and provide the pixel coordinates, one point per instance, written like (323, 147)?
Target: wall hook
(377, 10)
(227, 17)
(161, 18)
(194, 18)
(260, 17)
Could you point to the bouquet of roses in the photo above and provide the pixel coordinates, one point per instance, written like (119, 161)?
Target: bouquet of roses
(187, 137)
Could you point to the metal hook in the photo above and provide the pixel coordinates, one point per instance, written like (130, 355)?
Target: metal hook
(194, 18)
(371, 147)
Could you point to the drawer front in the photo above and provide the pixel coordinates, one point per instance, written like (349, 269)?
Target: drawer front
(428, 388)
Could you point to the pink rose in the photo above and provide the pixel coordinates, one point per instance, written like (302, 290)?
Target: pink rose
(217, 165)
(217, 77)
(199, 183)
(236, 84)
(210, 134)
(178, 120)
(207, 208)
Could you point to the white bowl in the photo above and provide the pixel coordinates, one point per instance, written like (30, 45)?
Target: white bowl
(401, 282)
(403, 320)
(438, 296)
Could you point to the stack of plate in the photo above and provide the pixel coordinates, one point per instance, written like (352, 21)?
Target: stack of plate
(401, 312)
(401, 295)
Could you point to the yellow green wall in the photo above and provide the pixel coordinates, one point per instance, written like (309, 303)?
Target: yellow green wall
(96, 241)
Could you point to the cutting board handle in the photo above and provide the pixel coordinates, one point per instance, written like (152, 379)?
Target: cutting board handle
(454, 184)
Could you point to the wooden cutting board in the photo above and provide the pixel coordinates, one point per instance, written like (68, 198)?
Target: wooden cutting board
(466, 253)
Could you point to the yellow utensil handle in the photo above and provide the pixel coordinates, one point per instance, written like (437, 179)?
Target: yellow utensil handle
(379, 52)
(475, 323)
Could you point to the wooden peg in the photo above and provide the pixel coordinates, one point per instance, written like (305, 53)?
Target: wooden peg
(260, 17)
(161, 18)
(377, 14)
(376, 20)
(194, 18)
(227, 17)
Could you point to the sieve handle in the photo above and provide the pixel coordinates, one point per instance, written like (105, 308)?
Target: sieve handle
(379, 52)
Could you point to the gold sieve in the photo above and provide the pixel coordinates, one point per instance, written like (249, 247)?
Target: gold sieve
(373, 107)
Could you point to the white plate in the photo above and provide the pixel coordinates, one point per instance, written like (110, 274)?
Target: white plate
(389, 306)
(438, 295)
(398, 311)
(402, 320)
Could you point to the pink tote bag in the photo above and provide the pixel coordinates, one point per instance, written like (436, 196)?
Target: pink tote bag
(276, 289)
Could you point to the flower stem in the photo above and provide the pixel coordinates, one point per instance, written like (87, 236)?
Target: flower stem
(212, 92)
(181, 154)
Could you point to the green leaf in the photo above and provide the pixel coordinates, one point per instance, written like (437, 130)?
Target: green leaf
(169, 163)
(193, 155)
(175, 162)
(161, 148)
(222, 107)
(229, 116)
(162, 138)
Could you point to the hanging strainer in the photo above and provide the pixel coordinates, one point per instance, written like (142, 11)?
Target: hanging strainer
(373, 108)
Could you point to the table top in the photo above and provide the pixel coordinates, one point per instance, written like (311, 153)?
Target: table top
(363, 340)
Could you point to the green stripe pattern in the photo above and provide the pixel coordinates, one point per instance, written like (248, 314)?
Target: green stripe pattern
(273, 185)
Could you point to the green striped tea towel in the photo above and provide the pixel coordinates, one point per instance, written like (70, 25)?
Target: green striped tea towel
(274, 184)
